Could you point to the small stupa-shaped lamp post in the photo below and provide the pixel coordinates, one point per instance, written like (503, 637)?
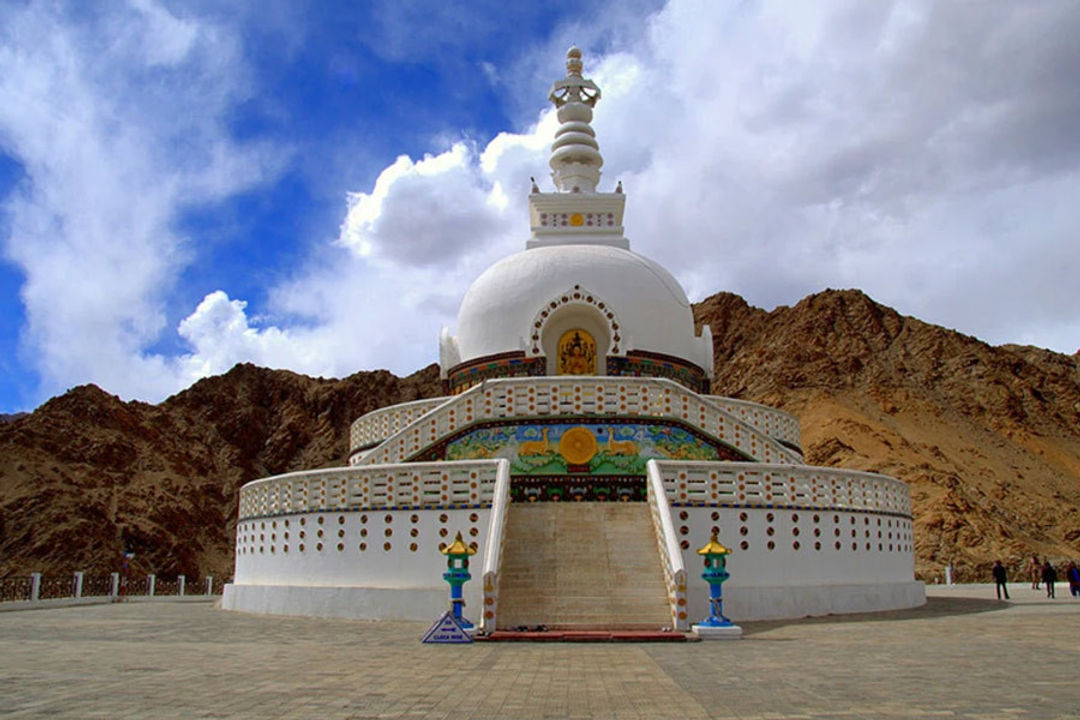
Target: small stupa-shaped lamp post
(457, 574)
(716, 626)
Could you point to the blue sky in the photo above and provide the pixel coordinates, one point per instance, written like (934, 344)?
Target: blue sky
(312, 186)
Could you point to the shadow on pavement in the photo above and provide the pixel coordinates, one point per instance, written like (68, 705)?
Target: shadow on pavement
(935, 607)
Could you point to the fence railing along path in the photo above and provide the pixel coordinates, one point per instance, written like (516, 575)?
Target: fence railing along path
(37, 587)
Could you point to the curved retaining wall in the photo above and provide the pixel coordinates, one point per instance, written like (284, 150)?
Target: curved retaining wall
(806, 541)
(378, 425)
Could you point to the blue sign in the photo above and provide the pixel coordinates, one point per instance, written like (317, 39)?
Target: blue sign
(446, 630)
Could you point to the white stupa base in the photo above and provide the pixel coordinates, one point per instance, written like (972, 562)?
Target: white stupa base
(707, 632)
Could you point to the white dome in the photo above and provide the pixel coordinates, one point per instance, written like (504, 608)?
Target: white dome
(651, 312)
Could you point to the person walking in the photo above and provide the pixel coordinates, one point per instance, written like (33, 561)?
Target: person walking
(1073, 576)
(1000, 578)
(1035, 571)
(1049, 577)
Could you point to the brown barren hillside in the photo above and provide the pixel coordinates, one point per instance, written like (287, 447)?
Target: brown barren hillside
(86, 475)
(988, 438)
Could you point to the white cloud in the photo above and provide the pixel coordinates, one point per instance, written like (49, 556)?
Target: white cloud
(116, 121)
(923, 152)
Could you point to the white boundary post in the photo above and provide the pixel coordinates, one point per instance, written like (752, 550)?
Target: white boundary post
(209, 584)
(35, 586)
(151, 580)
(180, 582)
(78, 584)
(114, 587)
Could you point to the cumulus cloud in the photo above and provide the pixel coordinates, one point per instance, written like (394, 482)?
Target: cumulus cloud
(116, 121)
(924, 152)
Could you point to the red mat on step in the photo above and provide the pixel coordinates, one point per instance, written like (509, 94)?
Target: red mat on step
(583, 636)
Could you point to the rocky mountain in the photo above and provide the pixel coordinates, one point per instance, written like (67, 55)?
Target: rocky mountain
(987, 437)
(86, 475)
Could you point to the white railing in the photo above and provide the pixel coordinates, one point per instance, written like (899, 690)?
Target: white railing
(407, 485)
(750, 484)
(575, 395)
(668, 545)
(493, 548)
(380, 424)
(769, 420)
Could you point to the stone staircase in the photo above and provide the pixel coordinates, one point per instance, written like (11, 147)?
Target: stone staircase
(581, 566)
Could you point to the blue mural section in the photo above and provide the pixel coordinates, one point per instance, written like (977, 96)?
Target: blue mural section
(561, 448)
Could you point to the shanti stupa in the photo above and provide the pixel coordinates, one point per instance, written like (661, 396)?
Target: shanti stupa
(579, 452)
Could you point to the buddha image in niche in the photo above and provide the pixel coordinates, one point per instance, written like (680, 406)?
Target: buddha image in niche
(577, 353)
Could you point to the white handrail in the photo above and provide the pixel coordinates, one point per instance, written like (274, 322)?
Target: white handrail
(743, 484)
(668, 544)
(578, 396)
(493, 548)
(375, 426)
(462, 483)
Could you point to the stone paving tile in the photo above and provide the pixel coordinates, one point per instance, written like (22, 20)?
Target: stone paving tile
(964, 655)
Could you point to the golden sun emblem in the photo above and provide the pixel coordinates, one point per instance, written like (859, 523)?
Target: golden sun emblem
(577, 219)
(578, 445)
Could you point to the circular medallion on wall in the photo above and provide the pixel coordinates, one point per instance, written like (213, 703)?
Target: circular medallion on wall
(578, 445)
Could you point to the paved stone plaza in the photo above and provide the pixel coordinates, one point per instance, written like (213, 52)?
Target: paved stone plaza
(964, 655)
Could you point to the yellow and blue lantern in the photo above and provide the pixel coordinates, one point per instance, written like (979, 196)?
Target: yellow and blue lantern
(457, 574)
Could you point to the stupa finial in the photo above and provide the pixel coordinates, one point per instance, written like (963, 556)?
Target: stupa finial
(575, 154)
(573, 61)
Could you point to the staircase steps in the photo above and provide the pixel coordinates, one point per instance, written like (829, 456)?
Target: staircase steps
(574, 566)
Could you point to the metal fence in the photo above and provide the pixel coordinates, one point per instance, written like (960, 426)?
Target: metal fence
(37, 586)
(15, 588)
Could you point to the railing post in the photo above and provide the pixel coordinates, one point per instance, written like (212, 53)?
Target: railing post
(209, 585)
(78, 584)
(180, 582)
(151, 579)
(35, 586)
(114, 586)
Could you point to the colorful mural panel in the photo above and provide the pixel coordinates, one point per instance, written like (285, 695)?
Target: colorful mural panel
(561, 448)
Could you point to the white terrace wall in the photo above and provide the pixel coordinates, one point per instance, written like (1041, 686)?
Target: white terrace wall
(804, 540)
(360, 542)
(577, 396)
